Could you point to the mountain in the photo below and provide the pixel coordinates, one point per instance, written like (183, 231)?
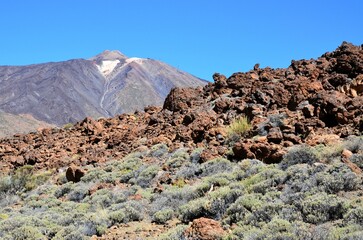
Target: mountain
(263, 154)
(103, 86)
(11, 124)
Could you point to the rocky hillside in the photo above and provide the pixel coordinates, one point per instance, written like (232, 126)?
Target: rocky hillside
(103, 86)
(265, 154)
(11, 124)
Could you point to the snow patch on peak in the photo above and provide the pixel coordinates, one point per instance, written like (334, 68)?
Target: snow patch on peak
(135, 59)
(106, 67)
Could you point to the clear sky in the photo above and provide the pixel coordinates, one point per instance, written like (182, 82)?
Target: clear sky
(199, 36)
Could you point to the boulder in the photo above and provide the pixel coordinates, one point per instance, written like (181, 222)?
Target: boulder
(204, 229)
(74, 173)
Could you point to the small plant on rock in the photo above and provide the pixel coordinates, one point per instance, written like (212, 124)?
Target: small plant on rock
(239, 126)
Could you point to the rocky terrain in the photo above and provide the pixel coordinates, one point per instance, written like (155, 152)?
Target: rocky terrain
(265, 154)
(103, 86)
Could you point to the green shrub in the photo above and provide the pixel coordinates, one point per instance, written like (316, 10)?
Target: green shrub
(266, 180)
(98, 175)
(218, 165)
(69, 233)
(163, 216)
(64, 189)
(239, 126)
(159, 150)
(194, 209)
(354, 144)
(68, 126)
(79, 192)
(25, 232)
(22, 180)
(354, 215)
(102, 198)
(299, 155)
(337, 177)
(143, 179)
(127, 214)
(347, 233)
(321, 207)
(176, 233)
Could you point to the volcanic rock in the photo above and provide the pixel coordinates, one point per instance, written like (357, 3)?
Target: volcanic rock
(204, 229)
(74, 173)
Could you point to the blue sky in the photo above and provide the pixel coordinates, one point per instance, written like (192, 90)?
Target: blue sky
(199, 36)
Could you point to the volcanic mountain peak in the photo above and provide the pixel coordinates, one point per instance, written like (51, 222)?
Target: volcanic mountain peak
(108, 55)
(105, 85)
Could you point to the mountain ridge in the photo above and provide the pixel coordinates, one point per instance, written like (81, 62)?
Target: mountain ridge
(102, 86)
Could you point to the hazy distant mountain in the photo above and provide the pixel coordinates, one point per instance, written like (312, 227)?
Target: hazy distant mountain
(11, 124)
(103, 86)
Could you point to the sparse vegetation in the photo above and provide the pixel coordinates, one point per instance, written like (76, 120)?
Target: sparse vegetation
(239, 126)
(300, 198)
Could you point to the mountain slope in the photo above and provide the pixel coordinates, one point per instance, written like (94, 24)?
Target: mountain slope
(103, 86)
(11, 124)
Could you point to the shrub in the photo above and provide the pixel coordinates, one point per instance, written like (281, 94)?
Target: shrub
(354, 144)
(21, 178)
(239, 126)
(218, 165)
(64, 189)
(354, 216)
(208, 183)
(348, 232)
(146, 175)
(26, 232)
(221, 199)
(79, 192)
(98, 175)
(173, 198)
(250, 167)
(176, 233)
(188, 171)
(290, 213)
(24, 179)
(69, 233)
(175, 162)
(163, 216)
(338, 177)
(264, 181)
(321, 207)
(298, 155)
(195, 155)
(357, 159)
(180, 153)
(125, 214)
(159, 150)
(68, 126)
(194, 209)
(101, 199)
(254, 209)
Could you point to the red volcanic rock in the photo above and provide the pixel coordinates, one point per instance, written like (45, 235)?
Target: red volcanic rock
(204, 229)
(264, 151)
(90, 126)
(74, 173)
(180, 99)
